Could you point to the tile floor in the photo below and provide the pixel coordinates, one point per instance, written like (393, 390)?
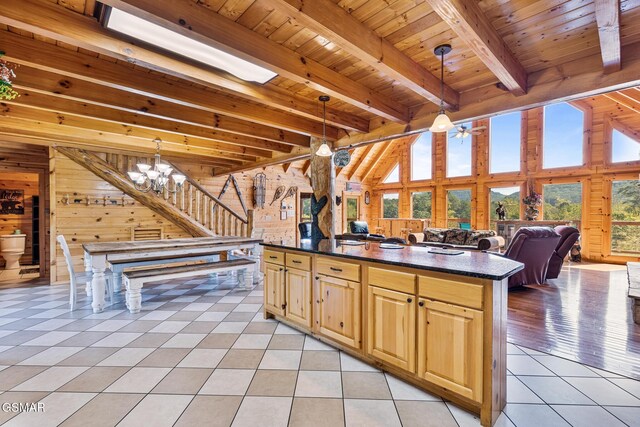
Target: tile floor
(202, 354)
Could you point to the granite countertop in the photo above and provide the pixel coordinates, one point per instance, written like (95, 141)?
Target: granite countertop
(469, 263)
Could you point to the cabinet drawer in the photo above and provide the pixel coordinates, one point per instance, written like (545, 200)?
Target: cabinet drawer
(394, 280)
(274, 257)
(461, 293)
(335, 268)
(303, 262)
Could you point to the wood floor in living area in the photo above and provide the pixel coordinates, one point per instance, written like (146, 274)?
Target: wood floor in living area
(584, 315)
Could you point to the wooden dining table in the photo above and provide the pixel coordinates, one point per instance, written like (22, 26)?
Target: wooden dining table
(98, 255)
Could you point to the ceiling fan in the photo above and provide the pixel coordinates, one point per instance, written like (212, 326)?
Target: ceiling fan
(462, 131)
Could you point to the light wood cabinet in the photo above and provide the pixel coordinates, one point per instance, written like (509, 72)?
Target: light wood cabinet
(339, 310)
(298, 296)
(450, 347)
(274, 295)
(391, 327)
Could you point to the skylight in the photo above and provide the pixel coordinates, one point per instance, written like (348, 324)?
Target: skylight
(170, 40)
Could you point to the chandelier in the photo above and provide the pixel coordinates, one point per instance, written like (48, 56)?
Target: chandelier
(156, 178)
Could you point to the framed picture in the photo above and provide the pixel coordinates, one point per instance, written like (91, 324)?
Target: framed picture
(11, 202)
(367, 198)
(283, 215)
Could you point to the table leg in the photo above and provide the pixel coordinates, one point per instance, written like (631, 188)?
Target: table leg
(133, 296)
(117, 280)
(240, 276)
(98, 266)
(88, 270)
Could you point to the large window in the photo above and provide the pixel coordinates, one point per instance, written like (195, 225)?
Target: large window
(421, 156)
(421, 205)
(353, 208)
(624, 148)
(390, 205)
(305, 207)
(562, 201)
(509, 197)
(394, 175)
(458, 208)
(625, 217)
(459, 154)
(505, 142)
(563, 136)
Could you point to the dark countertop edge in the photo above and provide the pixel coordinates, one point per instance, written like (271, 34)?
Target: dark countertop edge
(401, 264)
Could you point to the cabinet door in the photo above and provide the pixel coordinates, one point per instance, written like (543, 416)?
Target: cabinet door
(450, 347)
(274, 288)
(392, 327)
(340, 310)
(298, 296)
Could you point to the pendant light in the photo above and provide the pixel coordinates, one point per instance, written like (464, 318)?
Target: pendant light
(442, 122)
(324, 150)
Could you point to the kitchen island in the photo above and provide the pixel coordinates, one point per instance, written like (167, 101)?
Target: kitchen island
(437, 321)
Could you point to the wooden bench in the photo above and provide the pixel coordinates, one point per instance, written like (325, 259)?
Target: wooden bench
(633, 270)
(118, 266)
(134, 280)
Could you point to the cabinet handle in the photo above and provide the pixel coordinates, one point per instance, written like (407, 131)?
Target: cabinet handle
(339, 270)
(281, 268)
(295, 261)
(342, 324)
(421, 303)
(409, 300)
(284, 305)
(317, 277)
(273, 257)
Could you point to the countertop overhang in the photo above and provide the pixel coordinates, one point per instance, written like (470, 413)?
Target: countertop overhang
(484, 265)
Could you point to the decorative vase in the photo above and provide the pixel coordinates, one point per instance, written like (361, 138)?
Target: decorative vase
(531, 213)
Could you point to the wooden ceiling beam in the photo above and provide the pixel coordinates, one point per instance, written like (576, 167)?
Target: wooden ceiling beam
(572, 80)
(47, 19)
(334, 23)
(379, 156)
(625, 100)
(27, 113)
(263, 164)
(608, 20)
(354, 169)
(102, 139)
(305, 167)
(468, 21)
(124, 118)
(205, 25)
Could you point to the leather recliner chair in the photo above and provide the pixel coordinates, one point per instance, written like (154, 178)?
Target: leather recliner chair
(532, 246)
(568, 237)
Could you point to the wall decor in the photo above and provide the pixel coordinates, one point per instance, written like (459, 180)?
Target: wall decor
(353, 186)
(341, 158)
(277, 194)
(232, 180)
(367, 198)
(338, 200)
(259, 189)
(11, 202)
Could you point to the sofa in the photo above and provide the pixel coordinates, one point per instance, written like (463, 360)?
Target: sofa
(568, 237)
(483, 240)
(532, 246)
(359, 230)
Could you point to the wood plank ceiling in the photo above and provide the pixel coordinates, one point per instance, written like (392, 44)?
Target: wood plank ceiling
(85, 86)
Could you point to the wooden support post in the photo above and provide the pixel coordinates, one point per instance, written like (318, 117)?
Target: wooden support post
(323, 184)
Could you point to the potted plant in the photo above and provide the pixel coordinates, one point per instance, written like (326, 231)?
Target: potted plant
(531, 202)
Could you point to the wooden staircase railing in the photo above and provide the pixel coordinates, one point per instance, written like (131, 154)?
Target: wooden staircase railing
(192, 207)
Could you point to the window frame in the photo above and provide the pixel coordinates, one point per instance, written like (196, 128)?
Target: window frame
(471, 187)
(587, 116)
(584, 200)
(382, 194)
(433, 160)
(431, 190)
(504, 184)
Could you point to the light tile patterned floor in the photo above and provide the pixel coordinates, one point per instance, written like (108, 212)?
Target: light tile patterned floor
(202, 354)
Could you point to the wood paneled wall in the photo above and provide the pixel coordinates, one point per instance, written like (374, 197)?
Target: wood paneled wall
(601, 115)
(27, 167)
(29, 183)
(80, 223)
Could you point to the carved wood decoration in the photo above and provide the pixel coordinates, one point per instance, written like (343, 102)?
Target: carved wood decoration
(323, 184)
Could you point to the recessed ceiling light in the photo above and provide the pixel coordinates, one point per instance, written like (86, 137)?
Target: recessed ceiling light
(167, 39)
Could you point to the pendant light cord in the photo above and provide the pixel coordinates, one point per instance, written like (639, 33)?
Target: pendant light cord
(324, 121)
(442, 80)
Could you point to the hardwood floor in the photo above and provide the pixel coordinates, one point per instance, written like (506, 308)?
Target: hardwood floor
(584, 315)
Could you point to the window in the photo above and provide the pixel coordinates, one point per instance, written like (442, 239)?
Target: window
(562, 202)
(624, 148)
(390, 205)
(421, 205)
(459, 154)
(563, 136)
(352, 209)
(421, 156)
(510, 199)
(172, 41)
(458, 208)
(394, 175)
(625, 217)
(305, 207)
(505, 142)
